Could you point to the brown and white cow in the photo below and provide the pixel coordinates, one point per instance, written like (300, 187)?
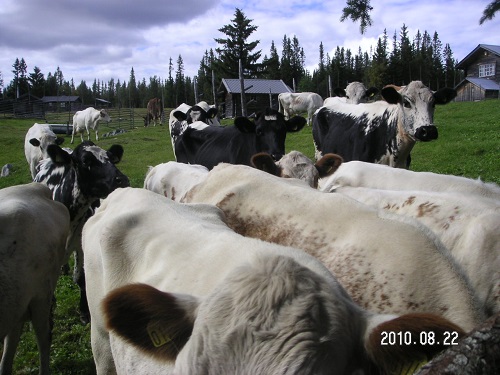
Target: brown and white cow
(468, 225)
(382, 132)
(387, 263)
(33, 232)
(291, 104)
(173, 290)
(154, 112)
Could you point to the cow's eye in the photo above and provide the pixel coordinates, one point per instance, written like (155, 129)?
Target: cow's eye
(258, 132)
(407, 103)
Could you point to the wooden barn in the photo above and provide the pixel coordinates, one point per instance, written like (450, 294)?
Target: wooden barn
(482, 74)
(62, 103)
(259, 94)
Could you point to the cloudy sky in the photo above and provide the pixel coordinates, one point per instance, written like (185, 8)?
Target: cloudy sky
(95, 39)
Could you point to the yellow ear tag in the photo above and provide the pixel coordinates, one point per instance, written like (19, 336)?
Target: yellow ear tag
(157, 334)
(411, 368)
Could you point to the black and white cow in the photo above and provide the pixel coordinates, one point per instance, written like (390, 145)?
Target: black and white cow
(78, 180)
(185, 114)
(382, 132)
(237, 144)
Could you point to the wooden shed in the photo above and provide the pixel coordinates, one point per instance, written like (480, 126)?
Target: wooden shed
(62, 103)
(259, 94)
(482, 74)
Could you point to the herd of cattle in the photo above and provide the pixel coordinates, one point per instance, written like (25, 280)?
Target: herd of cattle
(240, 259)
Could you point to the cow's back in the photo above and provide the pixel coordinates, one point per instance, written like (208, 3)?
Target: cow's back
(387, 264)
(34, 230)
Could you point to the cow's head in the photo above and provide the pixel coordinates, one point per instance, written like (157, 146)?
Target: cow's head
(95, 168)
(104, 116)
(270, 128)
(417, 102)
(296, 165)
(44, 141)
(356, 93)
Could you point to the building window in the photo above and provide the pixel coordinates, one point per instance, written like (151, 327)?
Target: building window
(486, 70)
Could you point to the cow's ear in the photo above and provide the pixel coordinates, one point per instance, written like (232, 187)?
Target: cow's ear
(212, 112)
(391, 96)
(59, 140)
(116, 153)
(372, 91)
(339, 92)
(158, 323)
(244, 125)
(180, 116)
(328, 164)
(295, 124)
(445, 95)
(265, 162)
(58, 155)
(35, 142)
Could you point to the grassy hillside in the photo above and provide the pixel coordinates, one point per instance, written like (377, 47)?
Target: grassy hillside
(468, 145)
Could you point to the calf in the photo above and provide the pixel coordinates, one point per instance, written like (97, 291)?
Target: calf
(382, 132)
(172, 290)
(89, 118)
(237, 144)
(33, 232)
(37, 139)
(357, 173)
(387, 263)
(78, 180)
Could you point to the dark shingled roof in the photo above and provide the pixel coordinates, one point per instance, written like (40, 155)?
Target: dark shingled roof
(472, 55)
(62, 98)
(256, 86)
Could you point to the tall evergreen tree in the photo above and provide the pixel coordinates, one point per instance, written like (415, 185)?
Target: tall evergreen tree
(133, 93)
(236, 47)
(180, 84)
(37, 82)
(271, 65)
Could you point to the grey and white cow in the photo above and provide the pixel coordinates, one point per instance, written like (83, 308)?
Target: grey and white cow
(78, 180)
(354, 93)
(382, 132)
(33, 232)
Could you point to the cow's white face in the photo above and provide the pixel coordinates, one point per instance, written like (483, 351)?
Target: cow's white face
(104, 116)
(355, 93)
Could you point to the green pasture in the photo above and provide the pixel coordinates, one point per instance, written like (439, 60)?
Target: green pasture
(468, 145)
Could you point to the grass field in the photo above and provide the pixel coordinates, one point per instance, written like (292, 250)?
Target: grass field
(468, 145)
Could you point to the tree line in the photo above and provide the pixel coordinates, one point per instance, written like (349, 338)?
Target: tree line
(398, 61)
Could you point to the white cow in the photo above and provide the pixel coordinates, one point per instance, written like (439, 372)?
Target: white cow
(357, 173)
(196, 298)
(38, 137)
(468, 225)
(354, 93)
(87, 119)
(33, 231)
(388, 263)
(173, 179)
(291, 104)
